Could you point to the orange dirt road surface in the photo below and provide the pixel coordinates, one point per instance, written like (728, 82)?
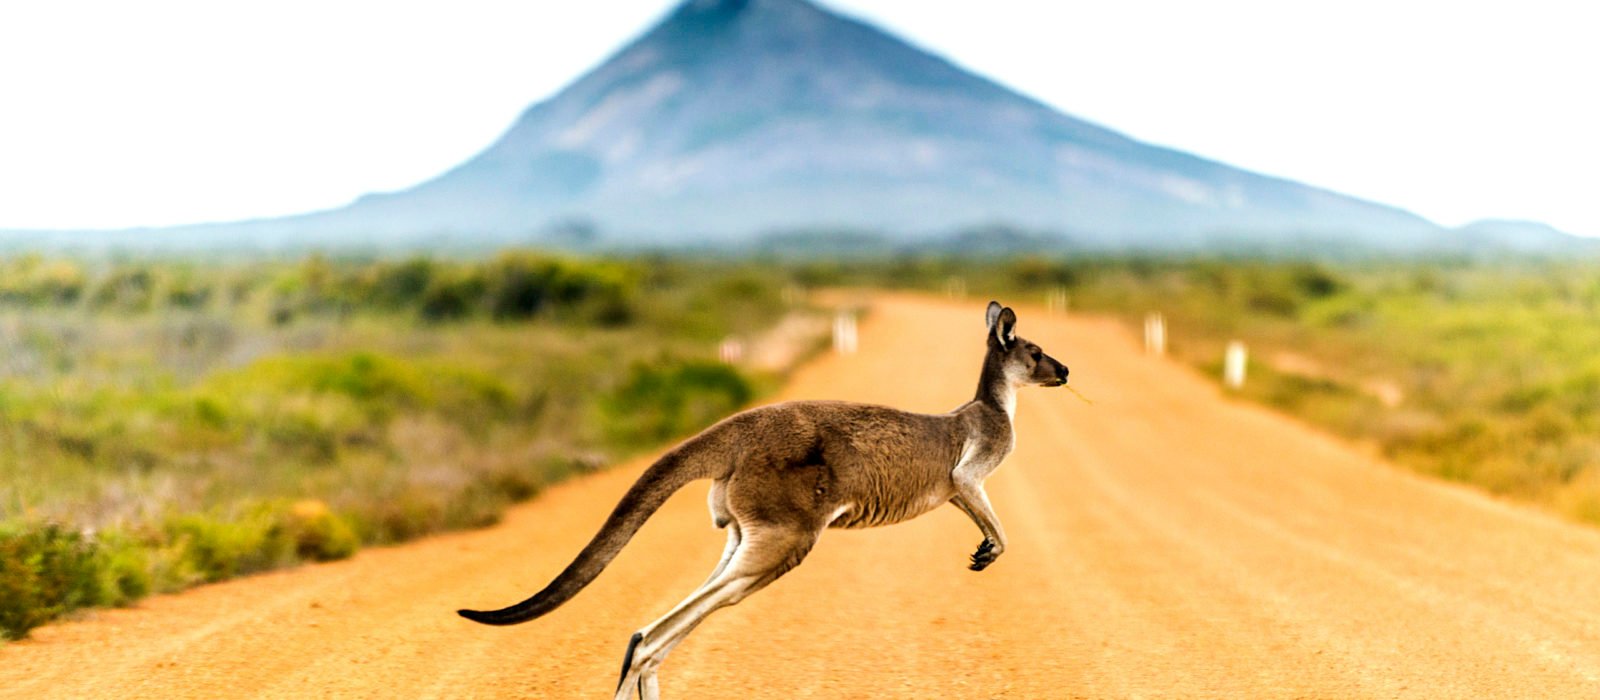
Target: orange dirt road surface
(1164, 542)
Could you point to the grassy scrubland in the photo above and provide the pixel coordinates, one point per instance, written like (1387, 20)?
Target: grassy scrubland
(1479, 372)
(167, 423)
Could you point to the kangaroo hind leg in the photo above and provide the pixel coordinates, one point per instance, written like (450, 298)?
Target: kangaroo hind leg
(763, 553)
(735, 535)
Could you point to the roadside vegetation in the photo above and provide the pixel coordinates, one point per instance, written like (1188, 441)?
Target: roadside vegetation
(167, 423)
(1487, 373)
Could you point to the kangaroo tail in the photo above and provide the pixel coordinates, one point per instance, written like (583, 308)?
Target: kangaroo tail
(678, 467)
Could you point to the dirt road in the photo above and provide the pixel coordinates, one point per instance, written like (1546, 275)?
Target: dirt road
(1165, 542)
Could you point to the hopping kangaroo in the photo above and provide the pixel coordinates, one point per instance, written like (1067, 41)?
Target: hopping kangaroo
(784, 473)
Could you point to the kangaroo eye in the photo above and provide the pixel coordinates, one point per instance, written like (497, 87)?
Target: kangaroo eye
(1036, 355)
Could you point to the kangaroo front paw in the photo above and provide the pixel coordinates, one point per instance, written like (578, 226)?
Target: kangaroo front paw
(986, 554)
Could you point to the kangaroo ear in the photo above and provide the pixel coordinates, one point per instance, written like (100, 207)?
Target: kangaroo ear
(1005, 330)
(992, 315)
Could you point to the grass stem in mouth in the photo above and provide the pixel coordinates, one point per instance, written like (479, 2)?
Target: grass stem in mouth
(1081, 397)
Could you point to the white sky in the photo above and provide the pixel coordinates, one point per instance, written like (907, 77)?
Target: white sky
(165, 111)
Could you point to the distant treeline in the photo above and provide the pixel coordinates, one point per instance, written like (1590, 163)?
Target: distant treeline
(511, 286)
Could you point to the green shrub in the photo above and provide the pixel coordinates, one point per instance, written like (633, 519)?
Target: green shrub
(302, 434)
(658, 402)
(366, 377)
(127, 289)
(399, 516)
(124, 569)
(211, 411)
(1315, 281)
(188, 292)
(1274, 301)
(1041, 273)
(31, 281)
(523, 285)
(218, 549)
(396, 285)
(46, 571)
(448, 298)
(317, 533)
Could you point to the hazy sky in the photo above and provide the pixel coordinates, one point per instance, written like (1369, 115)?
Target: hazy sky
(161, 112)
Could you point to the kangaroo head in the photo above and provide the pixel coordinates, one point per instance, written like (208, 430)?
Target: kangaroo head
(1023, 362)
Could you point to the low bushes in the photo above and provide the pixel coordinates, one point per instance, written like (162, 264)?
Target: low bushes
(513, 286)
(663, 401)
(47, 570)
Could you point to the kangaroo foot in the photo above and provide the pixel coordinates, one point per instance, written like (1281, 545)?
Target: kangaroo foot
(985, 555)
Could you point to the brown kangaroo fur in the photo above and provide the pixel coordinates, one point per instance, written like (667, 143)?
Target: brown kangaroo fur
(784, 473)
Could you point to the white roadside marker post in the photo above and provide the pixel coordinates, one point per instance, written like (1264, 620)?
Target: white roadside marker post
(955, 288)
(1056, 300)
(844, 333)
(731, 351)
(1233, 365)
(1155, 335)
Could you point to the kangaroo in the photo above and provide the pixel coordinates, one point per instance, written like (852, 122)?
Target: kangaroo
(784, 473)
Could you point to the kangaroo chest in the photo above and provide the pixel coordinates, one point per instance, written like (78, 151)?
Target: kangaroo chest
(979, 458)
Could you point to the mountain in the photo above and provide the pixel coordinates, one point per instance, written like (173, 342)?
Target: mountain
(741, 116)
(734, 120)
(1523, 237)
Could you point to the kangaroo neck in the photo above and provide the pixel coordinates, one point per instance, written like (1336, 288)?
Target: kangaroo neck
(994, 387)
